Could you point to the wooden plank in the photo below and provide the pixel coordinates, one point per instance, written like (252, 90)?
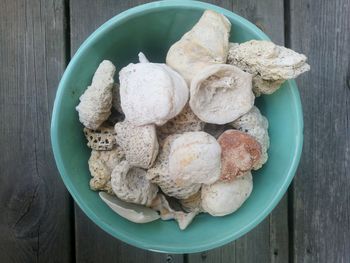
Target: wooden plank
(321, 196)
(35, 207)
(92, 243)
(268, 242)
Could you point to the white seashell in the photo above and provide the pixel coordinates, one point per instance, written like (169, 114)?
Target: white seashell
(131, 185)
(256, 125)
(161, 205)
(96, 102)
(223, 198)
(139, 143)
(101, 139)
(186, 121)
(270, 64)
(205, 44)
(151, 93)
(221, 93)
(132, 212)
(195, 158)
(101, 165)
(159, 174)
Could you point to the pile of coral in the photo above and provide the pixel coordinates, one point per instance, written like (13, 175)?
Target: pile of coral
(174, 140)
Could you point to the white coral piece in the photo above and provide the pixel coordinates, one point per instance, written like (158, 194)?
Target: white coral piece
(270, 64)
(221, 93)
(130, 184)
(223, 198)
(195, 158)
(186, 121)
(205, 44)
(139, 143)
(101, 139)
(256, 125)
(151, 93)
(159, 174)
(101, 165)
(96, 102)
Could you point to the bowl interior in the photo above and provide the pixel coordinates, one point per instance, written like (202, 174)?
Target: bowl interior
(152, 29)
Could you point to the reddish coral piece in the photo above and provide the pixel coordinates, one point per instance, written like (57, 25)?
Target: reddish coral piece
(239, 153)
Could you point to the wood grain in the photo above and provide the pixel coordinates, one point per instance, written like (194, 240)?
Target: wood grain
(92, 243)
(268, 242)
(321, 196)
(35, 207)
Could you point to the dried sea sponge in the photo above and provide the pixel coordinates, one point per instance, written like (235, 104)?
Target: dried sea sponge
(139, 143)
(186, 121)
(151, 93)
(240, 153)
(223, 198)
(159, 174)
(96, 102)
(101, 165)
(130, 184)
(101, 139)
(221, 93)
(256, 125)
(205, 44)
(270, 64)
(195, 158)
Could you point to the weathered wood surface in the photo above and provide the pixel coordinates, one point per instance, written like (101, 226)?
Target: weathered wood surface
(37, 220)
(321, 196)
(35, 217)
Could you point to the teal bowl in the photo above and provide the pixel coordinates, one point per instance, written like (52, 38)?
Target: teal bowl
(153, 28)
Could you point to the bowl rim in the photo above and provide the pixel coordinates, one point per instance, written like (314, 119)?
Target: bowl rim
(126, 15)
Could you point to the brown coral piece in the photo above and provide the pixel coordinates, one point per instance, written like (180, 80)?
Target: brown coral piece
(240, 152)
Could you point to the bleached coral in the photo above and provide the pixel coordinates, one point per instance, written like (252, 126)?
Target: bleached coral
(96, 102)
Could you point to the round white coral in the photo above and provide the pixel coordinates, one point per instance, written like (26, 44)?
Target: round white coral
(223, 198)
(139, 143)
(130, 184)
(159, 174)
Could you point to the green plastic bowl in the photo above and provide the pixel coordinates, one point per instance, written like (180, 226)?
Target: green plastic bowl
(153, 28)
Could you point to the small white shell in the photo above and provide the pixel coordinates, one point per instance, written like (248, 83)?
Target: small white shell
(101, 165)
(166, 212)
(139, 143)
(186, 121)
(151, 93)
(195, 158)
(101, 139)
(221, 93)
(159, 174)
(223, 198)
(256, 125)
(269, 63)
(205, 44)
(132, 212)
(130, 184)
(96, 102)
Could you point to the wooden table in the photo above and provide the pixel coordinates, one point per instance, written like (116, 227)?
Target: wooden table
(39, 222)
